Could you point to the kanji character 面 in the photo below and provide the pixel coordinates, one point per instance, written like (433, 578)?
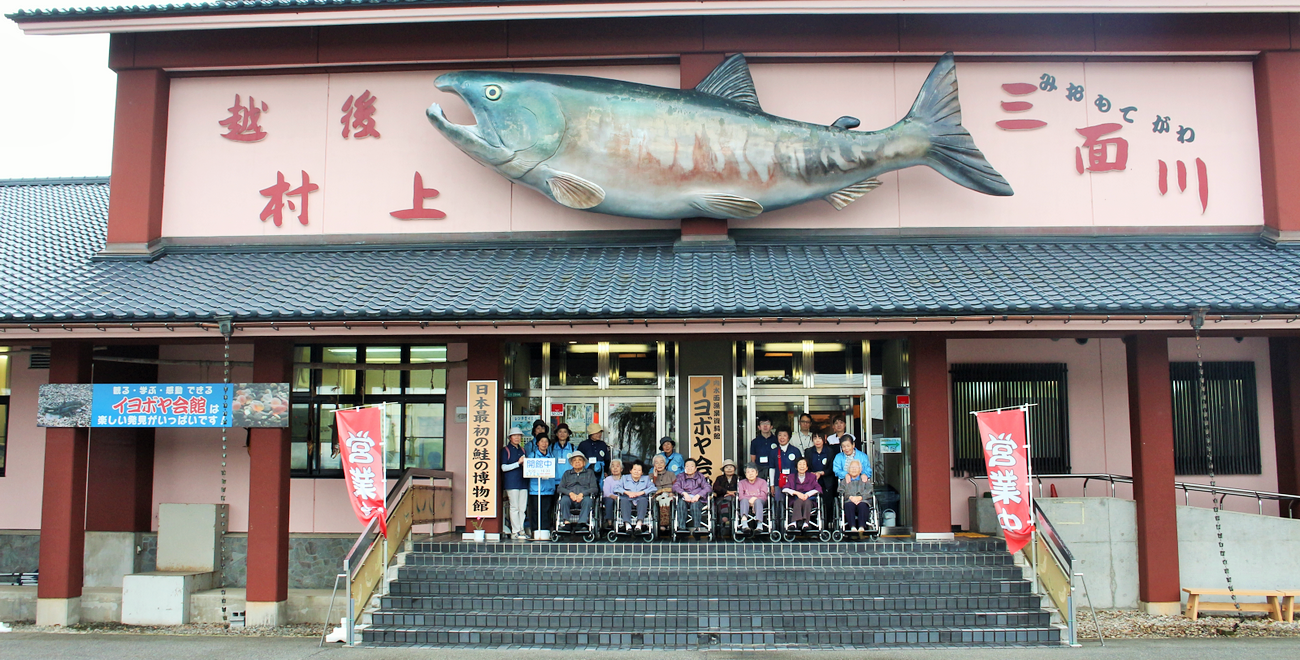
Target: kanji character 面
(1101, 157)
(417, 210)
(242, 124)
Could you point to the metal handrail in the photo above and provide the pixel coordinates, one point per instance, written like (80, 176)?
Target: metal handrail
(366, 541)
(1220, 491)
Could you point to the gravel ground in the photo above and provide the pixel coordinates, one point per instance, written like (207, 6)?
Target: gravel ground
(1131, 624)
(211, 629)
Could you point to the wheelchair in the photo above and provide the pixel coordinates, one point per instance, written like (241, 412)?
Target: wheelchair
(872, 530)
(817, 526)
(648, 532)
(741, 531)
(588, 529)
(706, 515)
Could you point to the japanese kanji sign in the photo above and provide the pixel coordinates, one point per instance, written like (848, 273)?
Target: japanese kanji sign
(481, 455)
(705, 425)
(161, 405)
(361, 446)
(1006, 453)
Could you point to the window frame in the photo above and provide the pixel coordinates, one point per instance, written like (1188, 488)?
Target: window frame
(1048, 428)
(1189, 441)
(313, 399)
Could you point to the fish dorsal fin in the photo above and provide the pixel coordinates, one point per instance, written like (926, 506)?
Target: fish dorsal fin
(574, 191)
(726, 205)
(845, 196)
(847, 123)
(731, 81)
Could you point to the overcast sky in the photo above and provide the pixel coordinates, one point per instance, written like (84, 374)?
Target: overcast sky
(57, 117)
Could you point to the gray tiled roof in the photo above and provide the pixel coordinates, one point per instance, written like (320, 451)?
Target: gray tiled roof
(51, 231)
(229, 7)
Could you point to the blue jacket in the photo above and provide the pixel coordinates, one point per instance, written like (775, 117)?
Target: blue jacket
(628, 484)
(597, 453)
(759, 445)
(561, 455)
(544, 486)
(823, 461)
(675, 463)
(785, 458)
(842, 464)
(513, 476)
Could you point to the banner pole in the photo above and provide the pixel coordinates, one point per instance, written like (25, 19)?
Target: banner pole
(1029, 471)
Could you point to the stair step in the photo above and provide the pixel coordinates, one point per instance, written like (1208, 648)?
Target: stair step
(597, 588)
(709, 562)
(711, 622)
(700, 547)
(695, 577)
(604, 604)
(562, 638)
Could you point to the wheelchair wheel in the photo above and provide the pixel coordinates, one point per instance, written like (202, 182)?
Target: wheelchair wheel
(774, 536)
(611, 536)
(788, 537)
(825, 536)
(555, 536)
(589, 537)
(836, 536)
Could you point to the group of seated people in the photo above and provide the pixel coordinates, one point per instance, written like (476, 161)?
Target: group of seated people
(803, 480)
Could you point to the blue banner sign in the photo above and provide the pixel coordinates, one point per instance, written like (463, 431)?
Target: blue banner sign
(190, 404)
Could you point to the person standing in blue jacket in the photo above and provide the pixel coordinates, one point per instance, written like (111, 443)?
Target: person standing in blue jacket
(847, 454)
(541, 492)
(562, 447)
(512, 470)
(672, 460)
(777, 463)
(594, 448)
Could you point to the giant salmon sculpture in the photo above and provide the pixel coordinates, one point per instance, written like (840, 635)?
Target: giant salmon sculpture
(651, 152)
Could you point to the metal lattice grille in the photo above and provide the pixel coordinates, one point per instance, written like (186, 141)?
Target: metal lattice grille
(1234, 418)
(988, 386)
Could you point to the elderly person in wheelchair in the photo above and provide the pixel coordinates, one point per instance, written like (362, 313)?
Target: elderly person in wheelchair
(857, 492)
(578, 491)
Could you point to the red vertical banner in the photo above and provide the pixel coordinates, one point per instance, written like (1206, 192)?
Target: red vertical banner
(361, 445)
(1006, 455)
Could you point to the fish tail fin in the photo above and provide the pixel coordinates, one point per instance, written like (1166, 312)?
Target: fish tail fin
(952, 149)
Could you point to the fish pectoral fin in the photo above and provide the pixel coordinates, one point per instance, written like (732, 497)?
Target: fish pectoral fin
(845, 196)
(846, 123)
(731, 80)
(724, 205)
(574, 191)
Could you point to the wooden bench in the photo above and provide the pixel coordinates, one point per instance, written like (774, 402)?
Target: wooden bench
(1288, 604)
(1274, 606)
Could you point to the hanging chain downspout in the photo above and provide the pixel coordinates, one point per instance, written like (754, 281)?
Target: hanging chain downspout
(1197, 321)
(227, 328)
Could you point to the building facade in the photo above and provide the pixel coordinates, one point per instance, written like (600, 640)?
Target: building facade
(282, 210)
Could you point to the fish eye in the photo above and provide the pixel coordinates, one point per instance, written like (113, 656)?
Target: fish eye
(492, 92)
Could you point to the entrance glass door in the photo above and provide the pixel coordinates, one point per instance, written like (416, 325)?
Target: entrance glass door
(633, 424)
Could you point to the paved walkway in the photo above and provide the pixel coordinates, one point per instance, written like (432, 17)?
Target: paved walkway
(149, 647)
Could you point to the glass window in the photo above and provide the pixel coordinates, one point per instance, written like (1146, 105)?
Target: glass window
(670, 365)
(383, 382)
(428, 381)
(575, 365)
(837, 364)
(413, 424)
(340, 381)
(776, 363)
(301, 375)
(634, 364)
(1234, 418)
(425, 435)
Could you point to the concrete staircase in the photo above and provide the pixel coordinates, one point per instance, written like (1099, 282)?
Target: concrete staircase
(888, 593)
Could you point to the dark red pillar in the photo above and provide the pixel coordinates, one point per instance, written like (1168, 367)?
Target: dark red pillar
(63, 500)
(139, 155)
(931, 438)
(485, 361)
(1151, 431)
(1284, 354)
(268, 497)
(1277, 110)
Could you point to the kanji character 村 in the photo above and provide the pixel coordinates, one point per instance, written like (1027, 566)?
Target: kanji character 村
(276, 198)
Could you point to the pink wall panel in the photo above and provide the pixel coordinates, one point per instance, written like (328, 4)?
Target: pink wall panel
(21, 487)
